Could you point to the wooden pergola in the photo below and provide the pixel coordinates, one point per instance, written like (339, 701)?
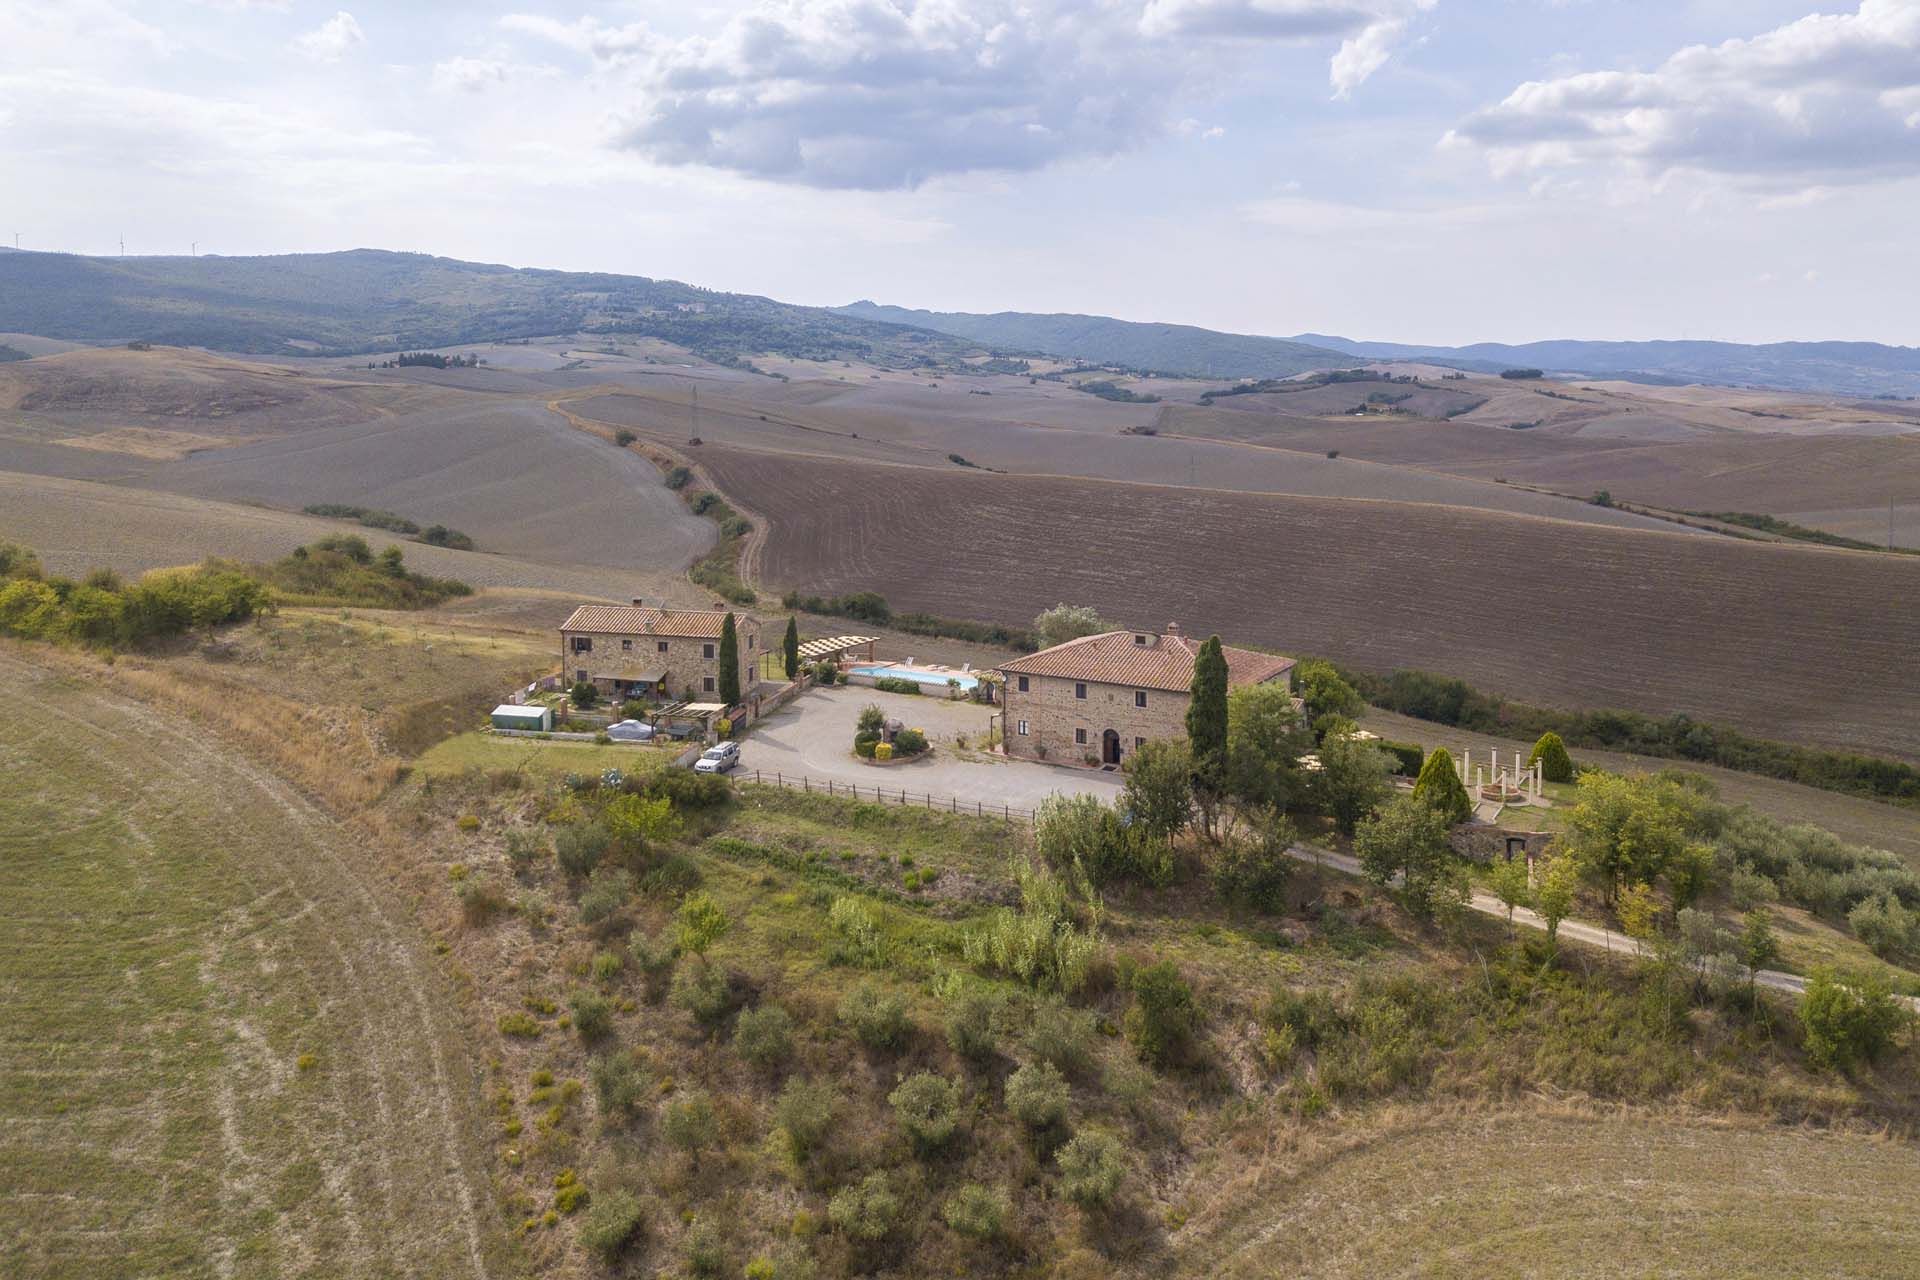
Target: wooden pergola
(835, 648)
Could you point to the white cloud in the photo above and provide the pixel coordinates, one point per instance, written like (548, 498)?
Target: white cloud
(875, 94)
(332, 39)
(1824, 99)
(469, 75)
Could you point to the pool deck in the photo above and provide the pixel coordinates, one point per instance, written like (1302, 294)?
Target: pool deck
(933, 672)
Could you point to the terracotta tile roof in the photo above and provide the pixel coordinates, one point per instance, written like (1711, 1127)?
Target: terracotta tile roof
(1165, 662)
(645, 620)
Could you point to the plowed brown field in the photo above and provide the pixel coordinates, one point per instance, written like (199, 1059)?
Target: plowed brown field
(1796, 643)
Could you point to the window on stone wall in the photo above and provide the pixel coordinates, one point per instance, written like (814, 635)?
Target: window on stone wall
(1080, 691)
(1139, 697)
(706, 685)
(1080, 737)
(1139, 743)
(626, 646)
(706, 651)
(1022, 731)
(583, 644)
(663, 646)
(1023, 684)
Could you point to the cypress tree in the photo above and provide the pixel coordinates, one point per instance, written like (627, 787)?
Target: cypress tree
(1207, 728)
(1440, 788)
(790, 647)
(729, 663)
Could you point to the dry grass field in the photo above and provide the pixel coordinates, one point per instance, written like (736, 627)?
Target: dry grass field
(225, 1053)
(78, 525)
(1536, 1191)
(1789, 642)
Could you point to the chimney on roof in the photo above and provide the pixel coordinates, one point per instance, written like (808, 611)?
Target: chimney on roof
(1173, 630)
(638, 601)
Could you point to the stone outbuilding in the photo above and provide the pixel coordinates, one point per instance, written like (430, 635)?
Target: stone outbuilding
(1095, 699)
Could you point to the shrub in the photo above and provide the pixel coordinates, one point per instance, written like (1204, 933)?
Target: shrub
(856, 922)
(1884, 925)
(1041, 944)
(703, 991)
(480, 901)
(866, 748)
(805, 1112)
(611, 1224)
(1551, 754)
(877, 1018)
(653, 957)
(519, 1025)
(583, 694)
(1091, 1169)
(592, 1014)
(1083, 832)
(607, 966)
(678, 477)
(706, 1250)
(1036, 1096)
(867, 1210)
(698, 923)
(569, 1193)
(688, 791)
(1061, 1035)
(909, 742)
(969, 1023)
(620, 1083)
(605, 894)
(1253, 870)
(977, 1212)
(624, 437)
(1161, 1023)
(1849, 1023)
(764, 1036)
(580, 846)
(524, 848)
(1409, 756)
(894, 684)
(690, 1122)
(928, 1109)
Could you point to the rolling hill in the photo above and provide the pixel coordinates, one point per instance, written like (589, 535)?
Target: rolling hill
(1169, 348)
(1852, 368)
(365, 300)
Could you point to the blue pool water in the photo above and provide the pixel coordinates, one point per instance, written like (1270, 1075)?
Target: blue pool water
(937, 679)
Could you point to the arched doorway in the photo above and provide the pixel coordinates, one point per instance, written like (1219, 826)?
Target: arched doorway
(1110, 747)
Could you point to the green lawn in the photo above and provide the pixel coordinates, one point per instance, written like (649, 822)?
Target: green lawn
(478, 750)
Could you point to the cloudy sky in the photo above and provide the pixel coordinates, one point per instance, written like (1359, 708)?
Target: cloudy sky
(1411, 170)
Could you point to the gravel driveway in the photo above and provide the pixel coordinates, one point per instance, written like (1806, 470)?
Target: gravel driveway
(813, 737)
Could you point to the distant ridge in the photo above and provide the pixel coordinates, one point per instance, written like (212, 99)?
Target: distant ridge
(1846, 368)
(1166, 348)
(366, 300)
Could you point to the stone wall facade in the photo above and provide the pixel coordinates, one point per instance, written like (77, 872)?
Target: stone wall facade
(1055, 719)
(1489, 842)
(690, 665)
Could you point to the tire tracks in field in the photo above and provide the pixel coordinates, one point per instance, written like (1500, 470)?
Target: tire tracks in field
(384, 976)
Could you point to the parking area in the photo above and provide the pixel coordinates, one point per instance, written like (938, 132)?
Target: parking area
(813, 738)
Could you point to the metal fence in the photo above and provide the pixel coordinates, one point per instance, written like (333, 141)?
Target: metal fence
(885, 795)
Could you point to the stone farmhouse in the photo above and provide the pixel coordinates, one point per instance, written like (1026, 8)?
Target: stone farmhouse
(640, 650)
(1094, 699)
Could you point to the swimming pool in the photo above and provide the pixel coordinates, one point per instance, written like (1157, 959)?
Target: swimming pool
(937, 679)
